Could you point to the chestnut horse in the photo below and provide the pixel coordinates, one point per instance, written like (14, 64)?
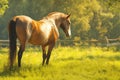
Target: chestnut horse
(43, 32)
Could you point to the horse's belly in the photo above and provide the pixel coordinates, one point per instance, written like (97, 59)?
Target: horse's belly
(36, 40)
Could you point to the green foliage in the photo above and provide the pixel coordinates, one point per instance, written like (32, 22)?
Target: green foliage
(3, 6)
(91, 19)
(66, 63)
(111, 5)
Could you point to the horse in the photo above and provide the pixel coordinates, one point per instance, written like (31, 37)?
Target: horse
(43, 32)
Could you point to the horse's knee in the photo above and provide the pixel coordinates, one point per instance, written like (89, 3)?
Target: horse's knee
(22, 47)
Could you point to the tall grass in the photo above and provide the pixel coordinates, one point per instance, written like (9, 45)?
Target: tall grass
(66, 63)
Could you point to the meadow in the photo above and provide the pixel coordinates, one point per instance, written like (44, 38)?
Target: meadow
(66, 63)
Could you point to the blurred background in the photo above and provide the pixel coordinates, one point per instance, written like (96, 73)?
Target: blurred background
(92, 20)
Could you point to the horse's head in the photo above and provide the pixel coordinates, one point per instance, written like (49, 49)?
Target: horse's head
(65, 25)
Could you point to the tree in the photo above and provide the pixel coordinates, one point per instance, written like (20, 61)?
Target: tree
(91, 19)
(3, 6)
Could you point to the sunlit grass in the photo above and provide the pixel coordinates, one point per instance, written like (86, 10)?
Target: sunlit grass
(66, 63)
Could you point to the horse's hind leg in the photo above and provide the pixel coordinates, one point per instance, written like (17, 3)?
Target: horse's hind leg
(20, 52)
(49, 52)
(44, 54)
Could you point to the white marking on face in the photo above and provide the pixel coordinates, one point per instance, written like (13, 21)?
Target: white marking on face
(69, 31)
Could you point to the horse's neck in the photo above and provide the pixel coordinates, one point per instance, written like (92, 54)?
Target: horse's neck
(56, 19)
(54, 25)
(52, 21)
(56, 22)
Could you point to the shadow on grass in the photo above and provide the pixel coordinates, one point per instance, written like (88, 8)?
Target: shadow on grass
(9, 72)
(16, 71)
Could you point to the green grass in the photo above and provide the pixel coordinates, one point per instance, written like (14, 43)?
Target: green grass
(66, 63)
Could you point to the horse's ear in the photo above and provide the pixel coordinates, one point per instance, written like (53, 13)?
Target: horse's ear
(68, 16)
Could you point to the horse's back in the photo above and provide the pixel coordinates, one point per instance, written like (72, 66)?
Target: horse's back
(22, 18)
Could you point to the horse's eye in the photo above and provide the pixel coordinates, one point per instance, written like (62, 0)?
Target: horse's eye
(63, 27)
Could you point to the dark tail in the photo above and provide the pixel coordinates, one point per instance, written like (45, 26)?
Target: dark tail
(12, 42)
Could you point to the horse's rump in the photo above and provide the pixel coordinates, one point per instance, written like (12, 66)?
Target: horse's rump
(23, 28)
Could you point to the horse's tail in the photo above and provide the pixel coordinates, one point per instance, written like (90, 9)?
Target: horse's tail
(12, 42)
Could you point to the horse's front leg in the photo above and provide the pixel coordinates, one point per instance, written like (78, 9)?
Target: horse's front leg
(44, 54)
(50, 48)
(20, 52)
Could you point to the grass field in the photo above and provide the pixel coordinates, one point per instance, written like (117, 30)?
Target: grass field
(66, 63)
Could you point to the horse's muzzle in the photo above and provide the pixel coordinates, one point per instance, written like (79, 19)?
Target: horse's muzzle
(68, 35)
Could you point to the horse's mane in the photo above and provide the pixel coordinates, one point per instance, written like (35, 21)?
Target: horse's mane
(55, 14)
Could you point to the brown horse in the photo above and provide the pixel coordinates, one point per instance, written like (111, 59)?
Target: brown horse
(43, 32)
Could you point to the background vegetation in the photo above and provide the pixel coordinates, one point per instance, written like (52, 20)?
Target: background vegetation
(91, 19)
